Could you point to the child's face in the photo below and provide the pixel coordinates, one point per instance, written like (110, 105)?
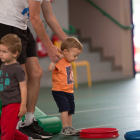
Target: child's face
(5, 55)
(71, 54)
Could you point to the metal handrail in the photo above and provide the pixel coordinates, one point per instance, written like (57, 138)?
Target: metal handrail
(110, 17)
(71, 31)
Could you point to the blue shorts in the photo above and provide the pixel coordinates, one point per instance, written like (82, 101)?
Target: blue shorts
(64, 101)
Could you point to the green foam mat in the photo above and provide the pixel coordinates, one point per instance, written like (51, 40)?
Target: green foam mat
(50, 124)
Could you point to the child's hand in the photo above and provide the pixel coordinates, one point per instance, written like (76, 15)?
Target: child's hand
(51, 66)
(22, 111)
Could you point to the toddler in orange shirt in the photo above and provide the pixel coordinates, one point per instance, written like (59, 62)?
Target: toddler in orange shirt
(62, 81)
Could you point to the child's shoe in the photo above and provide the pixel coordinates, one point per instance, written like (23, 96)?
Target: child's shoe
(75, 132)
(66, 131)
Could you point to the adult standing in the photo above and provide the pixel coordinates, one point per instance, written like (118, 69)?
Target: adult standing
(14, 15)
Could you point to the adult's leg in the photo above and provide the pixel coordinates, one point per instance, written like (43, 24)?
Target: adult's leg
(29, 116)
(30, 127)
(34, 72)
(23, 66)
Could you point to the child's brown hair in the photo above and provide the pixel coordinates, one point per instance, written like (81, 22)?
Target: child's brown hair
(71, 42)
(12, 42)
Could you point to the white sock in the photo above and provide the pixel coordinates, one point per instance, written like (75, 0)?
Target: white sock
(19, 122)
(29, 118)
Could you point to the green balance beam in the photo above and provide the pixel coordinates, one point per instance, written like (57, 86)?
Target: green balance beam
(50, 124)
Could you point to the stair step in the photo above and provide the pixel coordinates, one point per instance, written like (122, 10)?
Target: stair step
(86, 47)
(90, 57)
(73, 35)
(100, 70)
(102, 76)
(97, 67)
(44, 62)
(46, 80)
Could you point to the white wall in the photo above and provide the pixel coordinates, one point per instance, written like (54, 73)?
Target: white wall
(104, 33)
(60, 10)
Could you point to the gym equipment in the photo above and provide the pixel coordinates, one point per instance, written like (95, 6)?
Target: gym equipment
(132, 135)
(50, 124)
(99, 133)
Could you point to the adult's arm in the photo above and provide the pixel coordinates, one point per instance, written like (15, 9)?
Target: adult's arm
(51, 20)
(34, 10)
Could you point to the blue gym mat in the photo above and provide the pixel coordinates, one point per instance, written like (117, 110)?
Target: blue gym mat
(132, 135)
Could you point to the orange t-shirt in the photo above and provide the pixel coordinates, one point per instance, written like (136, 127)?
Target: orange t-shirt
(62, 77)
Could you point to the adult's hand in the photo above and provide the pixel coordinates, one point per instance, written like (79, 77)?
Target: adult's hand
(53, 53)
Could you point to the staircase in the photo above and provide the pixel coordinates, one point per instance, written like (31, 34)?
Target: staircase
(102, 68)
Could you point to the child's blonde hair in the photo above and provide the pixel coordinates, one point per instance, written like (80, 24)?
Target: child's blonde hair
(12, 42)
(71, 42)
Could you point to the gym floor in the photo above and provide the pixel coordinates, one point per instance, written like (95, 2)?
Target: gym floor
(113, 104)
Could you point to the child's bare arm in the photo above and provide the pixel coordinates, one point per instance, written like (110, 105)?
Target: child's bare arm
(23, 90)
(51, 66)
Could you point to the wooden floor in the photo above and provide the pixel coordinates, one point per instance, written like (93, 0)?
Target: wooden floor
(108, 104)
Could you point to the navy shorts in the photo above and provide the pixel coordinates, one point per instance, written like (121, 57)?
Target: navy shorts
(64, 101)
(27, 40)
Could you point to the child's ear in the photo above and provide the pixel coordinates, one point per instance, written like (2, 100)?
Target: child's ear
(15, 54)
(65, 51)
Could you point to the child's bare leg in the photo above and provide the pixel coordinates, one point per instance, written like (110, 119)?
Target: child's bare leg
(73, 131)
(64, 118)
(70, 120)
